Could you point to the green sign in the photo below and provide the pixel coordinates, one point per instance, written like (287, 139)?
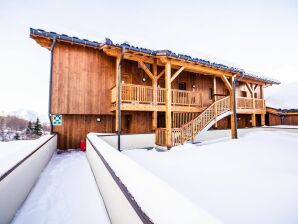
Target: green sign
(57, 119)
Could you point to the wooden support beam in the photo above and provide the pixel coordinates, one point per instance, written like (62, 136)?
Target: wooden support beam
(253, 120)
(168, 105)
(147, 71)
(160, 74)
(249, 88)
(117, 84)
(227, 83)
(214, 98)
(262, 91)
(262, 119)
(256, 85)
(154, 85)
(233, 131)
(177, 73)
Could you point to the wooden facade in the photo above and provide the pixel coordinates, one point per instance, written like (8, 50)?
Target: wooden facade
(159, 93)
(281, 117)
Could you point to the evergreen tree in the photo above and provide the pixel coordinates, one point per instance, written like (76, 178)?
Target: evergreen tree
(37, 128)
(17, 136)
(30, 128)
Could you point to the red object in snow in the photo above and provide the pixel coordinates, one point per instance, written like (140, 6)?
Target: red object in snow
(83, 145)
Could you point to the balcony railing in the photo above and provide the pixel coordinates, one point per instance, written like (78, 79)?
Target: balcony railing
(141, 94)
(247, 103)
(145, 94)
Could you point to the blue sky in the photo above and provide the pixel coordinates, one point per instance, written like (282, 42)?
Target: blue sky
(259, 36)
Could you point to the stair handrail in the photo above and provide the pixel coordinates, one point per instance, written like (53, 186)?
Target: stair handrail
(190, 127)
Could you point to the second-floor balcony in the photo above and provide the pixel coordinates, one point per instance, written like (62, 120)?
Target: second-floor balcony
(141, 97)
(147, 97)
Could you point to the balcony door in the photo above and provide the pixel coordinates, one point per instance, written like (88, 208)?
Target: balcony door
(126, 78)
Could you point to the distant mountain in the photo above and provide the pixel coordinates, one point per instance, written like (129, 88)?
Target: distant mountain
(29, 115)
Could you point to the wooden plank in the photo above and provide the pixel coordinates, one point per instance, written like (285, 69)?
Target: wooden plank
(168, 105)
(177, 73)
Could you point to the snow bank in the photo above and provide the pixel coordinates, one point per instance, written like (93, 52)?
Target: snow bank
(66, 192)
(13, 152)
(160, 202)
(283, 96)
(250, 180)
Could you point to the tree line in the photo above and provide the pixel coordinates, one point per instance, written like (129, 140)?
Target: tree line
(14, 128)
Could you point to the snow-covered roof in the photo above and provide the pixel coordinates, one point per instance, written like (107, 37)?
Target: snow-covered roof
(283, 96)
(167, 53)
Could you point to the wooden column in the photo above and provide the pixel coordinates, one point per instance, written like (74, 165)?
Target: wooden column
(154, 85)
(262, 119)
(117, 84)
(168, 105)
(233, 131)
(253, 116)
(214, 98)
(229, 85)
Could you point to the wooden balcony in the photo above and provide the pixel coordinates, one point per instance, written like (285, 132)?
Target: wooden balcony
(250, 105)
(139, 97)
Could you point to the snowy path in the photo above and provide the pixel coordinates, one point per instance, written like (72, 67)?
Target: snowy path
(250, 180)
(66, 192)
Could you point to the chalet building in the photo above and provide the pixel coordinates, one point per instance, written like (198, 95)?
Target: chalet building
(281, 116)
(175, 96)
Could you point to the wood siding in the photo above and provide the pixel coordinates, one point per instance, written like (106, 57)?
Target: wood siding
(272, 119)
(82, 78)
(75, 128)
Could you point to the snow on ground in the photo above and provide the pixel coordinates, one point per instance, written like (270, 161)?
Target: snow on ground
(66, 192)
(14, 151)
(283, 126)
(250, 180)
(283, 96)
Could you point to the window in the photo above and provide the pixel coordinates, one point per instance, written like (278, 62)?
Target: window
(256, 95)
(243, 94)
(210, 93)
(182, 86)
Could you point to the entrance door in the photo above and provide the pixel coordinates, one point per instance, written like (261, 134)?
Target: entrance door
(125, 123)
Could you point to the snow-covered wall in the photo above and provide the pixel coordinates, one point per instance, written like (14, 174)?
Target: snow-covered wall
(129, 141)
(16, 184)
(134, 195)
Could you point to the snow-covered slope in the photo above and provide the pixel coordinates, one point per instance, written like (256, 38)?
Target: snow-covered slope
(283, 96)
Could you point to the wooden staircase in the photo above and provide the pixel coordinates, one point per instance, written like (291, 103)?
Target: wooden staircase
(189, 130)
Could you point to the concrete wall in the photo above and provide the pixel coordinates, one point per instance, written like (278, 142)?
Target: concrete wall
(132, 194)
(15, 186)
(132, 141)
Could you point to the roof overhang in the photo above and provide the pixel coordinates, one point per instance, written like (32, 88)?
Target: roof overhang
(161, 57)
